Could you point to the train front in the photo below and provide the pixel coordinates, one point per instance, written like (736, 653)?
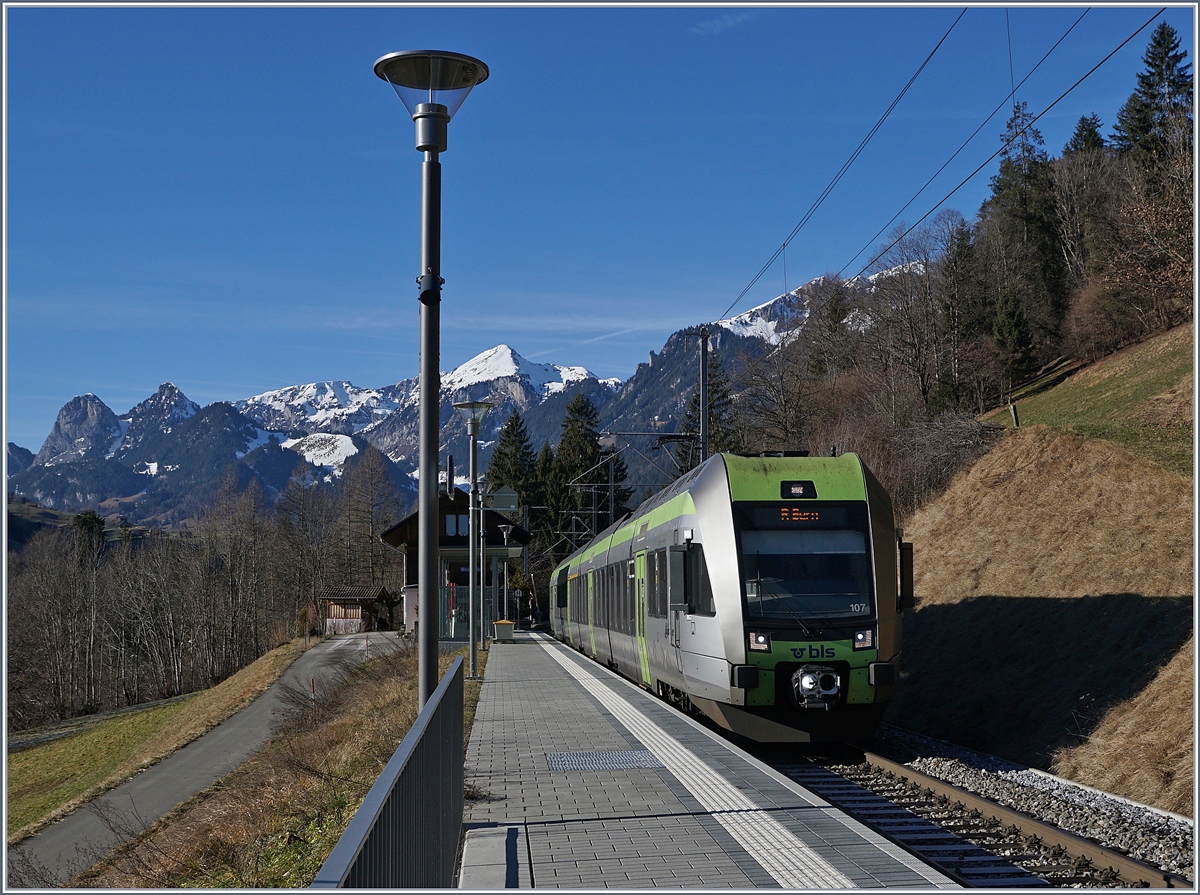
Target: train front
(805, 556)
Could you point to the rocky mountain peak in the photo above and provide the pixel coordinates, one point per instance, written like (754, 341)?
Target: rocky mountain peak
(85, 428)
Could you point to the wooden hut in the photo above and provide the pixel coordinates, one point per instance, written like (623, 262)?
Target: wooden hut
(352, 610)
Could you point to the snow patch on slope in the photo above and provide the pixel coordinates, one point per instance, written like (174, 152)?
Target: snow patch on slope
(324, 450)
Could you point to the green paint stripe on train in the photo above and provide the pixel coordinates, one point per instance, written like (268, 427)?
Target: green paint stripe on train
(758, 478)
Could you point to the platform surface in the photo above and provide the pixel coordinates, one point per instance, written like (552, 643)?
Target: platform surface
(579, 779)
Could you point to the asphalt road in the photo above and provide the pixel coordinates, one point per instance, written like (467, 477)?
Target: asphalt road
(63, 849)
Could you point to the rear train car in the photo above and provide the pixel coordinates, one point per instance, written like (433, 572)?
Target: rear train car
(764, 592)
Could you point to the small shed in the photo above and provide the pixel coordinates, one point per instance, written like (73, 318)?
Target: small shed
(351, 610)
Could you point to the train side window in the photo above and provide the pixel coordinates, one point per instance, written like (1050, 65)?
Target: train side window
(560, 590)
(657, 565)
(699, 588)
(676, 598)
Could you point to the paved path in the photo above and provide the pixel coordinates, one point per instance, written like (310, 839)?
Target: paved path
(591, 782)
(63, 849)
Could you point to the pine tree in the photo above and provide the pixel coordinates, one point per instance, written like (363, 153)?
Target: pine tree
(1010, 332)
(1020, 224)
(1086, 137)
(1023, 163)
(579, 446)
(512, 461)
(1161, 106)
(548, 484)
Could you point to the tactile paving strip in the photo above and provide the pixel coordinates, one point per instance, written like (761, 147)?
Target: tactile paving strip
(601, 761)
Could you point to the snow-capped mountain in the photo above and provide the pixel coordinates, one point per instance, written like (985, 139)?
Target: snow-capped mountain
(167, 456)
(505, 379)
(502, 363)
(343, 408)
(150, 420)
(775, 320)
(332, 407)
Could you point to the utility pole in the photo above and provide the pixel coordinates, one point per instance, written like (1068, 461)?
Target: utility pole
(703, 393)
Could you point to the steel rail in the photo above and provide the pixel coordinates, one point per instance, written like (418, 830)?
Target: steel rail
(1129, 869)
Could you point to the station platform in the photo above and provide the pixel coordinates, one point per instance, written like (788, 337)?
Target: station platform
(579, 779)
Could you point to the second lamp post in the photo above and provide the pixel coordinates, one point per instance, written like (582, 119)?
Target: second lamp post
(473, 412)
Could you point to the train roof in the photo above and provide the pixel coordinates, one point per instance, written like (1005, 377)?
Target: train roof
(755, 477)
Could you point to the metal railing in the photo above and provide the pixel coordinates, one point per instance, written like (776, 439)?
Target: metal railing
(405, 835)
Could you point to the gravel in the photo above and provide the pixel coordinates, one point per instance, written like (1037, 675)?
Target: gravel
(1147, 834)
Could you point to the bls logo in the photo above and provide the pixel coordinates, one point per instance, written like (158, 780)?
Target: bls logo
(815, 652)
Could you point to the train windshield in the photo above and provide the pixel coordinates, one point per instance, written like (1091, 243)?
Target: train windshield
(805, 562)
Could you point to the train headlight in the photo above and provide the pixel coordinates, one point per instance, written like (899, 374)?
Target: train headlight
(864, 639)
(816, 685)
(760, 641)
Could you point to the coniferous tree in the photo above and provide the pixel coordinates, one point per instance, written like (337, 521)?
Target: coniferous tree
(512, 461)
(1161, 106)
(1019, 229)
(1011, 335)
(1086, 137)
(547, 478)
(579, 446)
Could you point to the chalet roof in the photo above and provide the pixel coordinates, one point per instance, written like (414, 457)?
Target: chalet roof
(357, 592)
(404, 532)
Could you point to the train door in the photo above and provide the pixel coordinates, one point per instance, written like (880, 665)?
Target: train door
(677, 605)
(639, 618)
(591, 610)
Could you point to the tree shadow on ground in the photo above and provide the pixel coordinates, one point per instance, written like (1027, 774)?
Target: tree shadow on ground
(1020, 677)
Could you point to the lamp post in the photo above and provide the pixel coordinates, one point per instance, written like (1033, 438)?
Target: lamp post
(432, 85)
(505, 530)
(473, 412)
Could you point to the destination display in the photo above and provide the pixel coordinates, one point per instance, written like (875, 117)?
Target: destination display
(793, 516)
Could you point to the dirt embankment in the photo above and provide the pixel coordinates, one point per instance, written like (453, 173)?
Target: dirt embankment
(1054, 583)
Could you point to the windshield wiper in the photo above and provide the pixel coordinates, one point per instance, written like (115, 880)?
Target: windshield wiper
(808, 632)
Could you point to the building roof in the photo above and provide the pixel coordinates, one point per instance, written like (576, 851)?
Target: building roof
(356, 592)
(404, 532)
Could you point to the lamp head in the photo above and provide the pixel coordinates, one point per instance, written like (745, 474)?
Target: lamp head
(473, 412)
(431, 78)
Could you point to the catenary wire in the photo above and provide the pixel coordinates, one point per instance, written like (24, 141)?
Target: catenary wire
(755, 363)
(1009, 142)
(964, 145)
(845, 167)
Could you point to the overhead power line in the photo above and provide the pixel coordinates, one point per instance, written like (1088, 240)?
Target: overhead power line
(964, 145)
(1010, 141)
(842, 171)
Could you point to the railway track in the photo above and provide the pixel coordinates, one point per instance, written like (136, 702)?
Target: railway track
(976, 841)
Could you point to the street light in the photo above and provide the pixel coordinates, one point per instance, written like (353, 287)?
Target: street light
(432, 85)
(505, 530)
(473, 412)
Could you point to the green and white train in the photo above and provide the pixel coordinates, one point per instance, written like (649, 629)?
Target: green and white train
(765, 592)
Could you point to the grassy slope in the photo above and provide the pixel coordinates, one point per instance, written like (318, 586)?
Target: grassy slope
(47, 782)
(273, 821)
(1140, 397)
(1054, 582)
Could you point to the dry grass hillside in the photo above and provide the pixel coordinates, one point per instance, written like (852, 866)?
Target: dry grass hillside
(1055, 594)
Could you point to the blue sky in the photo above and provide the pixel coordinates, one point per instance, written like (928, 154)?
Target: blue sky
(229, 199)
